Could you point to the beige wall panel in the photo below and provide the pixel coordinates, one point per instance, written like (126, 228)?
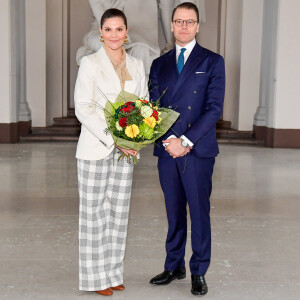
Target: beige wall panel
(81, 17)
(208, 32)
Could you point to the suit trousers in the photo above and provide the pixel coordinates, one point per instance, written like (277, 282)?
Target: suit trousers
(187, 180)
(104, 192)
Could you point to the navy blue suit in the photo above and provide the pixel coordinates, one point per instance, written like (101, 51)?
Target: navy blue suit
(198, 95)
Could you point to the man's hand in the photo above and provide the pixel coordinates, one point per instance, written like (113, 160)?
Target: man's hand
(175, 149)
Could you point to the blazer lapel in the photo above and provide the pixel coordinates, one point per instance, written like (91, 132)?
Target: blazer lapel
(106, 67)
(132, 69)
(196, 56)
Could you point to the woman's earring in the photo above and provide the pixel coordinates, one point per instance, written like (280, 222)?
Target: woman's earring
(126, 39)
(101, 39)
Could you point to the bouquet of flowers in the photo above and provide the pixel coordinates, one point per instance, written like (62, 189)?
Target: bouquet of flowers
(135, 123)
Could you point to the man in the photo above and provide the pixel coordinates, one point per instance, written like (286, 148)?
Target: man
(195, 81)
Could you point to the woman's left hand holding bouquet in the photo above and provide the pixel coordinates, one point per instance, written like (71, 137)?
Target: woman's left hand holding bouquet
(127, 151)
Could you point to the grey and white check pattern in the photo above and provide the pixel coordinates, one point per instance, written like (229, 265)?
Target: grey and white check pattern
(104, 192)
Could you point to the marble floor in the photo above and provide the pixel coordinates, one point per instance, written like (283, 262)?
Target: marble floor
(255, 208)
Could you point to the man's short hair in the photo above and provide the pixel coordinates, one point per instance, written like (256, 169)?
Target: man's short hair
(187, 5)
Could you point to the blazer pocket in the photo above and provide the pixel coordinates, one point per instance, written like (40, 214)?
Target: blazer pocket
(201, 79)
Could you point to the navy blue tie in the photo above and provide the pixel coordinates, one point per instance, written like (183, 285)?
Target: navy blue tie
(180, 62)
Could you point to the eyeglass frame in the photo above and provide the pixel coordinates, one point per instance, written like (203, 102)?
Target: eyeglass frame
(186, 22)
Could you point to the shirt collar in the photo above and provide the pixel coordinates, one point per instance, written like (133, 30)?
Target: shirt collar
(189, 47)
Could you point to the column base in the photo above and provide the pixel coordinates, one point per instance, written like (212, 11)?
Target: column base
(277, 138)
(10, 132)
(24, 128)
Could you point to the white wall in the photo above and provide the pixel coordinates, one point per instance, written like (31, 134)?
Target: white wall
(5, 111)
(287, 100)
(250, 63)
(36, 60)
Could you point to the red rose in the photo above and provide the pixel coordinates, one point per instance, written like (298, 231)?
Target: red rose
(155, 114)
(127, 107)
(123, 122)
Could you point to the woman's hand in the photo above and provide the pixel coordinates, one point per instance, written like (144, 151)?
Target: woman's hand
(127, 151)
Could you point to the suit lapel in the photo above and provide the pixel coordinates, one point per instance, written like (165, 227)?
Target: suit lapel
(169, 72)
(171, 66)
(196, 56)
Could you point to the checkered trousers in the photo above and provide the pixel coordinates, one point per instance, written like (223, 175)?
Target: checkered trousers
(104, 192)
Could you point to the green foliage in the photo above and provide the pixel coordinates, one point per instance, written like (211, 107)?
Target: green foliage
(146, 131)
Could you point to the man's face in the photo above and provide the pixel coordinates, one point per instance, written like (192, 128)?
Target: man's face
(184, 34)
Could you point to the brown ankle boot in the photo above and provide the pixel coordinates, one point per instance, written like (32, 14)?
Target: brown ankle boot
(106, 292)
(120, 287)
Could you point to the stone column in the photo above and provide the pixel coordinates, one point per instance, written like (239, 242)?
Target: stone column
(24, 111)
(7, 128)
(250, 63)
(263, 113)
(36, 60)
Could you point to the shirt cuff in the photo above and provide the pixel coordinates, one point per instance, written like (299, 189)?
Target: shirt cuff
(170, 137)
(190, 144)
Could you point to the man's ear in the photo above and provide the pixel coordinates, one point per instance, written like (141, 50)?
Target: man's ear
(171, 27)
(197, 27)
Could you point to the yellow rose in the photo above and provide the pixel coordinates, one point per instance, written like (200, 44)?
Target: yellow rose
(132, 131)
(151, 122)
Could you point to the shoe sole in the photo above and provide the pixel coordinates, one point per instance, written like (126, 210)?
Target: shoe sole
(195, 294)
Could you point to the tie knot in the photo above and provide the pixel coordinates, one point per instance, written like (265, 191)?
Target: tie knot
(182, 50)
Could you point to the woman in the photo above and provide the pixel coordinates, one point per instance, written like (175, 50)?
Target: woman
(104, 185)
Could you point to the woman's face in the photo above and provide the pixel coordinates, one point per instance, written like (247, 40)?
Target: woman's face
(114, 32)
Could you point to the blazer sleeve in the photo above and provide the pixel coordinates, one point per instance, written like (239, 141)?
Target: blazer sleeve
(213, 104)
(153, 82)
(83, 95)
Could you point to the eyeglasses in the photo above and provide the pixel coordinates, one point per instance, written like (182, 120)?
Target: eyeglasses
(189, 23)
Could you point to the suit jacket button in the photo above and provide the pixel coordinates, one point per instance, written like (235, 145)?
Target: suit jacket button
(189, 125)
(195, 92)
(170, 106)
(189, 107)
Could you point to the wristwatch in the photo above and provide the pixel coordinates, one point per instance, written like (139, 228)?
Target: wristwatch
(184, 143)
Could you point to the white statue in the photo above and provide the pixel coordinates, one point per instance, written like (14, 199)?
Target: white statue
(166, 8)
(142, 42)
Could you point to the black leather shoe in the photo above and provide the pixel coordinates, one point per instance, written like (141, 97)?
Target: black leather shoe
(199, 286)
(167, 276)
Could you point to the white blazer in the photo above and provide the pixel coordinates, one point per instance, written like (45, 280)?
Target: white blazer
(96, 73)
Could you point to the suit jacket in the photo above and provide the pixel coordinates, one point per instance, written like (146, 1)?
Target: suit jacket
(197, 94)
(97, 76)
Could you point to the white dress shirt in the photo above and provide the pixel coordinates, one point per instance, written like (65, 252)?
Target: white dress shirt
(189, 47)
